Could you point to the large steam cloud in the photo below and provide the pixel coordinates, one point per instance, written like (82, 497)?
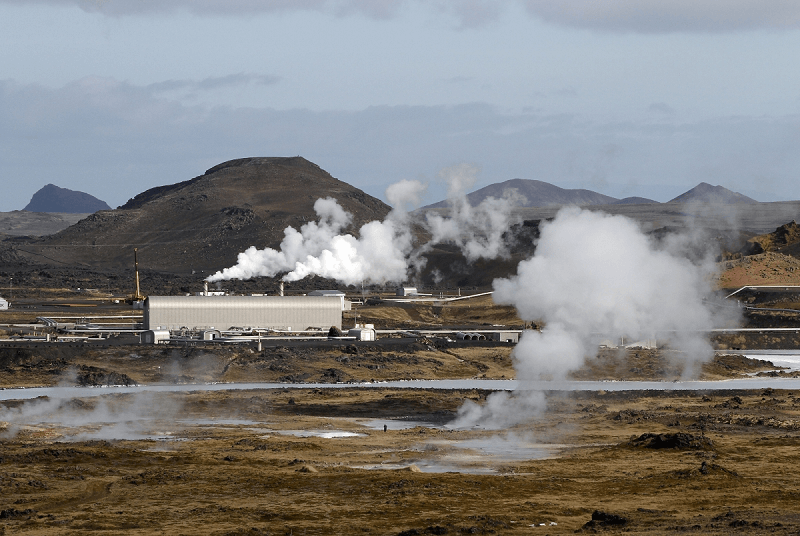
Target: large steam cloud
(594, 275)
(384, 251)
(477, 231)
(379, 254)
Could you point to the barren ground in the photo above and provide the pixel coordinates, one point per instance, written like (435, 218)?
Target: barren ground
(318, 461)
(717, 464)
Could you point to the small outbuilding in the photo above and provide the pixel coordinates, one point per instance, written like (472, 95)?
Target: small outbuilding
(3, 304)
(504, 336)
(407, 291)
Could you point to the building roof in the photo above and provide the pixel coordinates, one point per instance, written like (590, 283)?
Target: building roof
(235, 302)
(326, 293)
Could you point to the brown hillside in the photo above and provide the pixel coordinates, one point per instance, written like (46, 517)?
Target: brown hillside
(202, 224)
(785, 239)
(763, 269)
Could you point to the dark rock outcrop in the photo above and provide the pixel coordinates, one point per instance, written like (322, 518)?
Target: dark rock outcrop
(51, 198)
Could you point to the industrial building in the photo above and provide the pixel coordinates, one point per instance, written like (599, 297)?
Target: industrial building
(285, 313)
(333, 293)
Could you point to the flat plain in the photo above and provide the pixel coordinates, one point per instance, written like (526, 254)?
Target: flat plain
(317, 460)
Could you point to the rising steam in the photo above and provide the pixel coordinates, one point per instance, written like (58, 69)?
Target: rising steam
(477, 231)
(384, 251)
(594, 275)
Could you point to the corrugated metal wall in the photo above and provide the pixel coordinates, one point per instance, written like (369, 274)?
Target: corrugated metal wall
(223, 312)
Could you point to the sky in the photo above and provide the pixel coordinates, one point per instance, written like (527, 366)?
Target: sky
(624, 97)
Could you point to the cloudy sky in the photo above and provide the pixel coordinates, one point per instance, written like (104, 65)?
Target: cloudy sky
(625, 97)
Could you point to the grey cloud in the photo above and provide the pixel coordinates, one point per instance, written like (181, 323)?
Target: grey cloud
(118, 8)
(239, 79)
(660, 16)
(566, 92)
(641, 16)
(473, 13)
(114, 140)
(460, 80)
(661, 108)
(469, 13)
(214, 82)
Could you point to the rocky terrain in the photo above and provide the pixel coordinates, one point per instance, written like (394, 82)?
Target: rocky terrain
(24, 223)
(785, 240)
(384, 460)
(335, 458)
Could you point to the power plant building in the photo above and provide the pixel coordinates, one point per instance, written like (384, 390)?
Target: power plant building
(296, 313)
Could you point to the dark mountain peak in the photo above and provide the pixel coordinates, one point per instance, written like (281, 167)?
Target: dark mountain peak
(716, 195)
(253, 168)
(537, 194)
(52, 198)
(287, 161)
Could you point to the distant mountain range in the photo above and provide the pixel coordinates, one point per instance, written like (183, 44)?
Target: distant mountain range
(203, 223)
(51, 198)
(543, 194)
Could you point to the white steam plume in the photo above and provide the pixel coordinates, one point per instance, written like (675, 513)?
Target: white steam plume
(595, 275)
(128, 416)
(381, 253)
(477, 231)
(384, 251)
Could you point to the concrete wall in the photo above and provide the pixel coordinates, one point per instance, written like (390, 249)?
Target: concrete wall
(222, 312)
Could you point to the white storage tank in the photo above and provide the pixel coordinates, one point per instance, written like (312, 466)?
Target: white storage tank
(364, 332)
(406, 291)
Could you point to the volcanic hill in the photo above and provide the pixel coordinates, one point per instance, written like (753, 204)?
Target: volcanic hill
(714, 195)
(52, 198)
(200, 225)
(536, 193)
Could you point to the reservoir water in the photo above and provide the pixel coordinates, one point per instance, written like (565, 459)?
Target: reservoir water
(490, 385)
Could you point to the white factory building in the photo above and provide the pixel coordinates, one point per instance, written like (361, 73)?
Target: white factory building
(293, 313)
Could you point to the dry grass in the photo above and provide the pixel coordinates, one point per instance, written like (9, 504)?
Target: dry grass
(251, 479)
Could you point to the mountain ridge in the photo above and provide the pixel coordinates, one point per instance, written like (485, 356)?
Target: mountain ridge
(543, 194)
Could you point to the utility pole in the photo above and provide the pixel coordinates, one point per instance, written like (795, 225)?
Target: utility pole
(138, 294)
